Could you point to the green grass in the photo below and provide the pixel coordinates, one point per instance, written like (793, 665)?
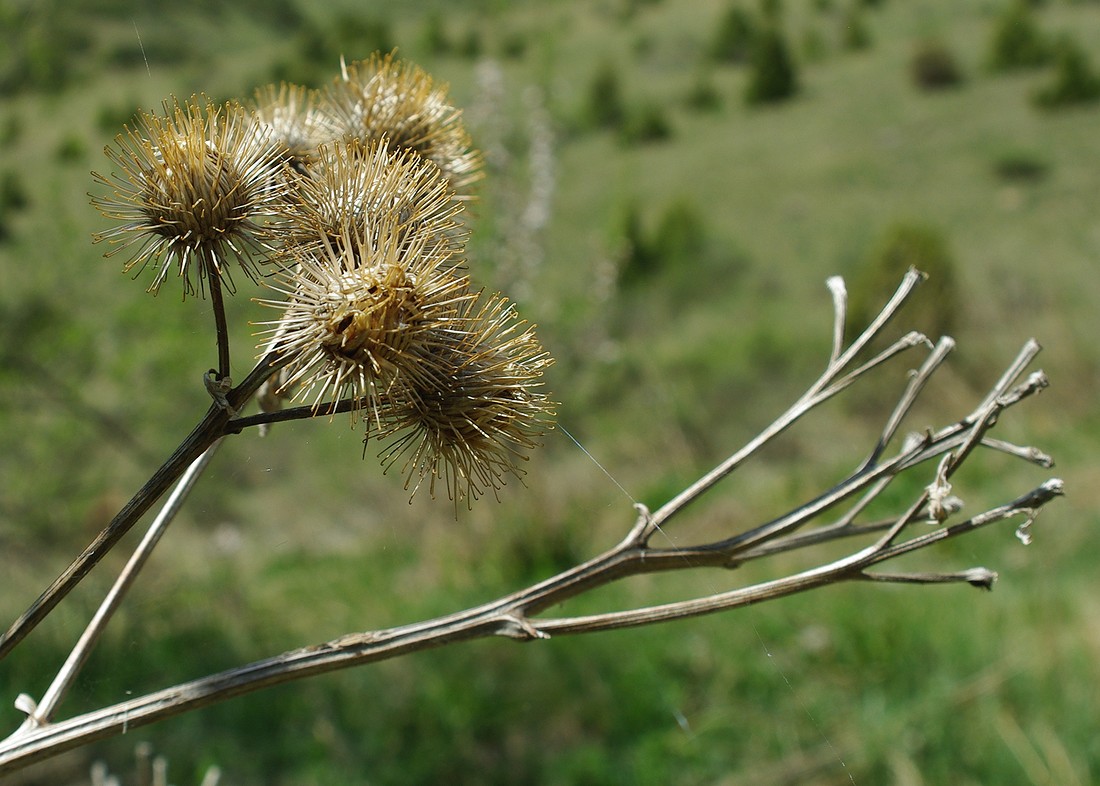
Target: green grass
(294, 539)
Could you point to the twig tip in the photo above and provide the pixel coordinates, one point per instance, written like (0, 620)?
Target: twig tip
(983, 578)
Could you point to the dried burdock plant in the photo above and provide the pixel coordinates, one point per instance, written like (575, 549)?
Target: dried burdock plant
(377, 318)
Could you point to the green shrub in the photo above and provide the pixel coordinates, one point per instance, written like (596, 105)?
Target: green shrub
(734, 36)
(1074, 80)
(513, 46)
(156, 48)
(933, 66)
(646, 123)
(348, 35)
(639, 257)
(771, 10)
(112, 118)
(703, 95)
(41, 47)
(680, 235)
(434, 37)
(854, 33)
(679, 239)
(71, 148)
(1020, 166)
(470, 46)
(13, 194)
(604, 107)
(11, 131)
(814, 46)
(352, 35)
(357, 37)
(904, 246)
(772, 75)
(1017, 41)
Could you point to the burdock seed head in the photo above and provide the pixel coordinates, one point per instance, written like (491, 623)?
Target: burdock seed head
(362, 315)
(193, 190)
(474, 420)
(348, 186)
(384, 97)
(289, 115)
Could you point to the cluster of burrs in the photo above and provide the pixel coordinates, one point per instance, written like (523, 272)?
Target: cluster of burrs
(346, 203)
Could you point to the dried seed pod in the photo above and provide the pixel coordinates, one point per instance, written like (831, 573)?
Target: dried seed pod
(349, 185)
(195, 189)
(476, 417)
(288, 114)
(361, 317)
(384, 97)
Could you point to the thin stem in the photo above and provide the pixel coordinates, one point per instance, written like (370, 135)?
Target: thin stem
(201, 438)
(211, 428)
(917, 383)
(1027, 504)
(1023, 359)
(239, 424)
(911, 339)
(218, 305)
(977, 577)
(44, 713)
(1027, 453)
(909, 282)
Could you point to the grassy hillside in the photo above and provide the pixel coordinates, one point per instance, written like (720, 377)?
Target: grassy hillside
(293, 538)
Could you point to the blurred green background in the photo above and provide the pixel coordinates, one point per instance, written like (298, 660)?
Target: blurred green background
(671, 238)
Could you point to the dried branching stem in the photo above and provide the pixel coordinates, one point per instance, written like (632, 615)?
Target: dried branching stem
(517, 615)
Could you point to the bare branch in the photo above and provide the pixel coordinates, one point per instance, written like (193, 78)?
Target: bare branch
(982, 578)
(508, 617)
(516, 616)
(917, 381)
(824, 388)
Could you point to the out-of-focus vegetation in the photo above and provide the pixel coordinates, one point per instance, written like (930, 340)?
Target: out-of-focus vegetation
(676, 270)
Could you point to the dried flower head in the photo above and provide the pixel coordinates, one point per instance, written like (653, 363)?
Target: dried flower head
(388, 98)
(194, 187)
(349, 185)
(362, 314)
(481, 411)
(289, 115)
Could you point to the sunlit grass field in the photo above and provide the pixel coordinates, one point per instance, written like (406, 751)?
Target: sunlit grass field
(295, 538)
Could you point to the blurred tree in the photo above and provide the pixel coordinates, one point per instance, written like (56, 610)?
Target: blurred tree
(1017, 41)
(733, 38)
(933, 66)
(854, 33)
(604, 106)
(1074, 80)
(901, 247)
(772, 77)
